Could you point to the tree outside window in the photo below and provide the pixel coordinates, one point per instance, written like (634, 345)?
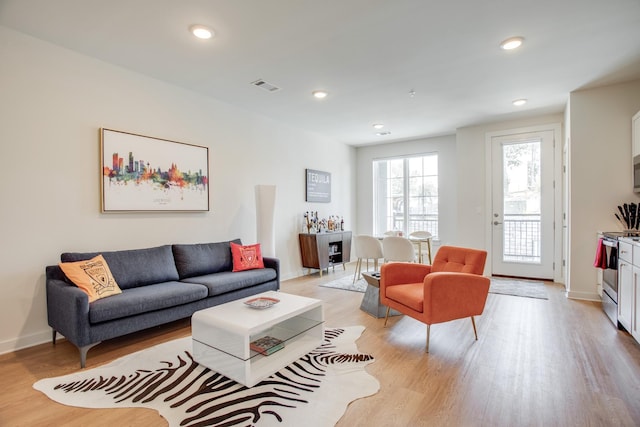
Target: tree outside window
(406, 194)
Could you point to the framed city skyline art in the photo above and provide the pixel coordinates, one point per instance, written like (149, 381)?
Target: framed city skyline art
(141, 174)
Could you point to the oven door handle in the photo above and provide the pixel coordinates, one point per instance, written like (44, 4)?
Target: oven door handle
(610, 243)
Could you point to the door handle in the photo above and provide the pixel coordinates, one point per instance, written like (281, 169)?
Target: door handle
(496, 222)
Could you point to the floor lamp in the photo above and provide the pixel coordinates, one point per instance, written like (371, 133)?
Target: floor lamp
(265, 207)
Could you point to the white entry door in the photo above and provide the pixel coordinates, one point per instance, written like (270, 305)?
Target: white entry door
(523, 204)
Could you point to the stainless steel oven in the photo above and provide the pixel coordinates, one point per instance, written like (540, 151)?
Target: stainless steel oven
(610, 277)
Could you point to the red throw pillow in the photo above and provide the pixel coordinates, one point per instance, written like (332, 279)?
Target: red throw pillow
(246, 257)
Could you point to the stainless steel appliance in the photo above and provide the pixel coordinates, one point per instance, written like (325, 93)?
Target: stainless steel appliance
(610, 273)
(636, 174)
(610, 276)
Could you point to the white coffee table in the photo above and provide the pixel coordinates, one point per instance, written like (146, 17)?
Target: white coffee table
(221, 335)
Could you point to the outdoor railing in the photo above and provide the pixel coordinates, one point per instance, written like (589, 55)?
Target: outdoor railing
(521, 241)
(417, 222)
(521, 238)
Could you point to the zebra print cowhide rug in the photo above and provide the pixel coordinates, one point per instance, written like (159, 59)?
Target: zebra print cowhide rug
(314, 391)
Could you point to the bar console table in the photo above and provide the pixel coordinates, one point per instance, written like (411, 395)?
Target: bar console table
(323, 250)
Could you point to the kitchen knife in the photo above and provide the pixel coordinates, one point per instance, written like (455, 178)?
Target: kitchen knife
(626, 220)
(626, 213)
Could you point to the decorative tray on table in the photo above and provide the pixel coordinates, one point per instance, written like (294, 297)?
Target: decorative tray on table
(262, 302)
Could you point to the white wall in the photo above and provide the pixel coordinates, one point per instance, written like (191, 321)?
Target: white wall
(53, 102)
(463, 212)
(473, 214)
(444, 146)
(600, 174)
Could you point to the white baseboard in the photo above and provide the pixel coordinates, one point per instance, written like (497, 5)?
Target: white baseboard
(587, 296)
(25, 341)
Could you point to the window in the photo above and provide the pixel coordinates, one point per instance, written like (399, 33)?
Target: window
(406, 194)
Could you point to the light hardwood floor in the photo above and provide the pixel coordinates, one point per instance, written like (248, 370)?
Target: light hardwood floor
(555, 362)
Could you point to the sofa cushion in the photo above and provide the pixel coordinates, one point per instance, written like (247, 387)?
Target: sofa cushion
(203, 258)
(246, 257)
(92, 276)
(136, 267)
(145, 299)
(223, 282)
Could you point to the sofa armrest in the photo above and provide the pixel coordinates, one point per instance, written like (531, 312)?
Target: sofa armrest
(67, 308)
(270, 262)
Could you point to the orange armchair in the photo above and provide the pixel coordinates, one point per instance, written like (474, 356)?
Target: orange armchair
(453, 287)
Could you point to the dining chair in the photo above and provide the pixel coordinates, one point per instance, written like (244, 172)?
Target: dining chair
(398, 249)
(366, 248)
(418, 238)
(452, 288)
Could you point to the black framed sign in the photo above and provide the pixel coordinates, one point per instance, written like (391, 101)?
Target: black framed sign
(318, 188)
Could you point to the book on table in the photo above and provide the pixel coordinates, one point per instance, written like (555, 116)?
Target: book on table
(266, 345)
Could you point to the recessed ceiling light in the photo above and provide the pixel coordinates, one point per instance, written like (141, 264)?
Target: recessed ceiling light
(378, 126)
(519, 102)
(320, 94)
(512, 43)
(201, 32)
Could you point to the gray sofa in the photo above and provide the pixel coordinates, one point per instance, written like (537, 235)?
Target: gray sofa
(159, 285)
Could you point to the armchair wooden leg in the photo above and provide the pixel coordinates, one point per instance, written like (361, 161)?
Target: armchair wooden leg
(386, 317)
(428, 333)
(475, 332)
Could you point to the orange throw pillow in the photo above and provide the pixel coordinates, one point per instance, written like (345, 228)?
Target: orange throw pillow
(92, 276)
(246, 257)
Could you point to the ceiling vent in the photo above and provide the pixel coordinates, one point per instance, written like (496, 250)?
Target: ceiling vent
(265, 85)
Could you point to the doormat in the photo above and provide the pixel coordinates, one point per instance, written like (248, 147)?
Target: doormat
(313, 391)
(518, 288)
(346, 283)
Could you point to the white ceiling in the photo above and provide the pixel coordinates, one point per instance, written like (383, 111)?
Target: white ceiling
(369, 54)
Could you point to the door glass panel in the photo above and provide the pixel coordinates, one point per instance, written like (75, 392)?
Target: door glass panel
(522, 202)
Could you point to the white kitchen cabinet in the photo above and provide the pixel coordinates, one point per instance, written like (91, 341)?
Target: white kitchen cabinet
(635, 312)
(625, 283)
(635, 309)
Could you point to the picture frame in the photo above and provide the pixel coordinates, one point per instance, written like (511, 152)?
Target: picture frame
(147, 174)
(318, 186)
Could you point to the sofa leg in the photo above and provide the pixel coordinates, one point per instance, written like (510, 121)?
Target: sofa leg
(475, 332)
(428, 333)
(53, 336)
(83, 353)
